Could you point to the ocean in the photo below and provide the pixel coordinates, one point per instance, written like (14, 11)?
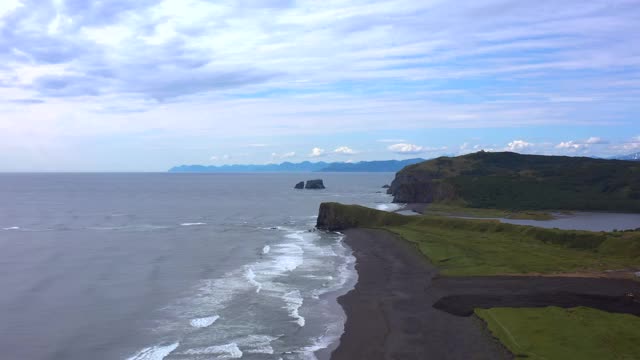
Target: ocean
(173, 266)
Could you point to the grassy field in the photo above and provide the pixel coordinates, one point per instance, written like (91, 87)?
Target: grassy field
(488, 247)
(442, 209)
(483, 247)
(555, 333)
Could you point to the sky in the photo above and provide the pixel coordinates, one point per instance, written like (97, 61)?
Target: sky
(119, 85)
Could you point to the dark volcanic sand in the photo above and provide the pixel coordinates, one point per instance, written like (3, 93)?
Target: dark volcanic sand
(466, 293)
(391, 313)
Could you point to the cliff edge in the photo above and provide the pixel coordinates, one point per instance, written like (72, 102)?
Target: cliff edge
(334, 216)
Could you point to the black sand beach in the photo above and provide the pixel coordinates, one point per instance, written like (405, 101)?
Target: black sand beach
(391, 312)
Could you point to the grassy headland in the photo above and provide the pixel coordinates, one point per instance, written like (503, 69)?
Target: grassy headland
(488, 247)
(513, 181)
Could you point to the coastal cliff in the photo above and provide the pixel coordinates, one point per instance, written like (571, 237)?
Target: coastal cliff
(420, 187)
(505, 180)
(335, 217)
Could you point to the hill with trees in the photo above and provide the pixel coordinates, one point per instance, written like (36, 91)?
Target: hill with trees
(506, 180)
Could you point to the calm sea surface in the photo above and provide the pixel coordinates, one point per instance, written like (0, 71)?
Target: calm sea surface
(591, 221)
(172, 266)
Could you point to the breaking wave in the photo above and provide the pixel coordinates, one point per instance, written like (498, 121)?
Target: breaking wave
(204, 321)
(154, 352)
(193, 224)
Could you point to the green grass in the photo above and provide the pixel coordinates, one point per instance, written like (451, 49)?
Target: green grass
(485, 247)
(553, 333)
(448, 209)
(488, 247)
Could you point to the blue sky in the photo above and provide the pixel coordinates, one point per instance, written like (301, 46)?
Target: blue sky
(144, 85)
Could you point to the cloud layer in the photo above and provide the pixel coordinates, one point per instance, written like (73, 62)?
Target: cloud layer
(406, 148)
(77, 73)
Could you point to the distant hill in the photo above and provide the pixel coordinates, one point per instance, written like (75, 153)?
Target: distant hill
(306, 166)
(630, 157)
(506, 180)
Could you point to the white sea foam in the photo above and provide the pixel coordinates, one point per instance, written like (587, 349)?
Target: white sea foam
(228, 351)
(291, 261)
(319, 343)
(154, 352)
(11, 228)
(251, 277)
(193, 224)
(271, 228)
(287, 257)
(261, 350)
(321, 259)
(389, 207)
(257, 344)
(294, 301)
(204, 322)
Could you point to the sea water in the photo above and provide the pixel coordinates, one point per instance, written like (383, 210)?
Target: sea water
(173, 266)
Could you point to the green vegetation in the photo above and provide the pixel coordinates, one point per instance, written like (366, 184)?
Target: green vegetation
(516, 182)
(448, 209)
(336, 216)
(555, 333)
(488, 247)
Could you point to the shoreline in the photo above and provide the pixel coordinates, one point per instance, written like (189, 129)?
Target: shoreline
(389, 312)
(401, 308)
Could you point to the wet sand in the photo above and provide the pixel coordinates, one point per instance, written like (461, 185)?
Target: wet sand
(401, 308)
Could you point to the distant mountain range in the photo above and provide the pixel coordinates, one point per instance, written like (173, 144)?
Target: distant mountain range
(631, 157)
(306, 166)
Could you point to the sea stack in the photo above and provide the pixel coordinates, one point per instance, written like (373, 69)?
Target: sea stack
(299, 185)
(314, 184)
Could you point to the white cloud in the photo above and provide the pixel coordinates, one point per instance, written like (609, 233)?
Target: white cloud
(8, 6)
(571, 145)
(575, 145)
(277, 68)
(286, 155)
(518, 146)
(403, 148)
(344, 150)
(317, 152)
(220, 157)
(633, 144)
(596, 141)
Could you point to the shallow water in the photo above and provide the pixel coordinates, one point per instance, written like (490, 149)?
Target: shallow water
(188, 266)
(591, 221)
